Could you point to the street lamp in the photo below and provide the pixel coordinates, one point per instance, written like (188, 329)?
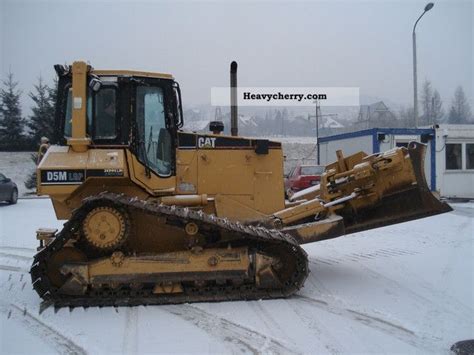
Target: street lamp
(428, 7)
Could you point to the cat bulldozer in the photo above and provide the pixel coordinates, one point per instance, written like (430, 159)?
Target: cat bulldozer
(156, 215)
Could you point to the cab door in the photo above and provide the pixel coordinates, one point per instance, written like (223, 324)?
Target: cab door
(152, 159)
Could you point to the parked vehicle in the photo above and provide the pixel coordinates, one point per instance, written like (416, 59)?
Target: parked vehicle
(8, 190)
(302, 177)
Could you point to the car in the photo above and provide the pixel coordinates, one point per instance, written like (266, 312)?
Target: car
(302, 177)
(8, 190)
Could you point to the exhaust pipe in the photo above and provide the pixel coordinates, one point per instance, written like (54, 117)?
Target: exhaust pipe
(234, 129)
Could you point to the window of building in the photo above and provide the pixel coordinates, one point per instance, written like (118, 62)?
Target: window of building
(469, 155)
(453, 156)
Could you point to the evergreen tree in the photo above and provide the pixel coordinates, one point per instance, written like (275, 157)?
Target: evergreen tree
(41, 122)
(12, 124)
(30, 182)
(460, 111)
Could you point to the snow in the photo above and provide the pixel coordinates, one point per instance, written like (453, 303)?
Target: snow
(406, 288)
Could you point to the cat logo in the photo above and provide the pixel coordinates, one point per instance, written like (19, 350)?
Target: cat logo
(206, 142)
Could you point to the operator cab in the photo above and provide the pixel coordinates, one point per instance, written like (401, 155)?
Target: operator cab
(137, 110)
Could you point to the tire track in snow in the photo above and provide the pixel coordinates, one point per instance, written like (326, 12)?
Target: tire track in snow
(268, 318)
(451, 306)
(394, 330)
(12, 268)
(321, 331)
(35, 325)
(241, 338)
(16, 256)
(29, 250)
(130, 340)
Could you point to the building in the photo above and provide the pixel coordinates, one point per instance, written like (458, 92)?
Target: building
(455, 160)
(373, 115)
(449, 160)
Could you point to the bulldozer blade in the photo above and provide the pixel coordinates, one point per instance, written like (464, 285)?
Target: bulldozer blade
(405, 205)
(410, 203)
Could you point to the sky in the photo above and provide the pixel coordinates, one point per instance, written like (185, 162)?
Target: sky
(365, 44)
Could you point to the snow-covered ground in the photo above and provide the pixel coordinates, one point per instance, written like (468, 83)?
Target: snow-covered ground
(400, 289)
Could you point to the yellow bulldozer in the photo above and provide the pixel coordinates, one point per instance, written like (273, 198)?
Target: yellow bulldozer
(156, 215)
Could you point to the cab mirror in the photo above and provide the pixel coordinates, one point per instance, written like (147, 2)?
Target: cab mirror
(95, 84)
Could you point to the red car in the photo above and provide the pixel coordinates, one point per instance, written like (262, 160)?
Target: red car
(302, 177)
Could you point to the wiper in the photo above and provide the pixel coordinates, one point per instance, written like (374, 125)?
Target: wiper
(141, 144)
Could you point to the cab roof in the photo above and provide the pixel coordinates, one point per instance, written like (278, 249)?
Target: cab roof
(132, 73)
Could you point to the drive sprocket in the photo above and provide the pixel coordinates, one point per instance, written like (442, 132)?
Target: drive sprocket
(106, 228)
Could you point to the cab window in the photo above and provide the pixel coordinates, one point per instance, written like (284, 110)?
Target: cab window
(102, 120)
(154, 138)
(105, 115)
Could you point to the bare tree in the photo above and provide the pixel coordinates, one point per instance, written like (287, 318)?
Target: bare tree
(432, 105)
(426, 100)
(437, 111)
(406, 117)
(460, 111)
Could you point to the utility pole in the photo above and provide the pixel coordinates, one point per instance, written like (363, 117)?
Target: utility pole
(317, 131)
(317, 115)
(428, 7)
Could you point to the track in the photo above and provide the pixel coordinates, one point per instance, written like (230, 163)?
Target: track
(269, 242)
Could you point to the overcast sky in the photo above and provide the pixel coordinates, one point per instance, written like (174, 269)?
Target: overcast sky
(296, 44)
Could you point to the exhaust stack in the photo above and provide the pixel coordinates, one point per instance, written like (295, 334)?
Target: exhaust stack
(234, 116)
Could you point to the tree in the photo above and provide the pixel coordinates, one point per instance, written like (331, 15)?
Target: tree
(426, 99)
(12, 124)
(431, 104)
(406, 117)
(437, 111)
(460, 111)
(41, 122)
(30, 182)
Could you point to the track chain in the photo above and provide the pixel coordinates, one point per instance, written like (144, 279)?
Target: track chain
(256, 237)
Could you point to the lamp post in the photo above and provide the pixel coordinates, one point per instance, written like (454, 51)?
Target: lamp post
(428, 7)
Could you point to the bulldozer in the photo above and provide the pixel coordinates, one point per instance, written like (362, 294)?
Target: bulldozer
(157, 215)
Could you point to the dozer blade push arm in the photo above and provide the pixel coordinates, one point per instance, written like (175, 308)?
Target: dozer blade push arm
(362, 192)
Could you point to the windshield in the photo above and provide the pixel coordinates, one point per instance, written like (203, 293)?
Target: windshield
(312, 170)
(155, 139)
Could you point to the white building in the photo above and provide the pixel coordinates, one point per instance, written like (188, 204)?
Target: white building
(455, 160)
(449, 160)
